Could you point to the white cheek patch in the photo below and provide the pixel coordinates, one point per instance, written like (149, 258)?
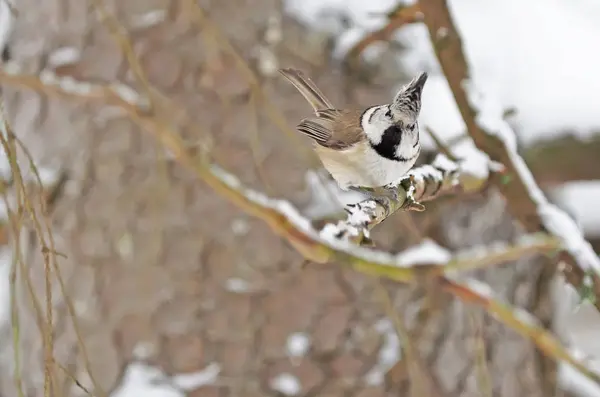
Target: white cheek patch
(373, 129)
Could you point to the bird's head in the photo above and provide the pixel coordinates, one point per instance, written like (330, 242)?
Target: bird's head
(407, 103)
(401, 114)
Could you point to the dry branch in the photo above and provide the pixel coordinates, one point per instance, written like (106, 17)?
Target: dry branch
(493, 136)
(399, 17)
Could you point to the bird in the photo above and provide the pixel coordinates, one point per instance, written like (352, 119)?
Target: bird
(367, 150)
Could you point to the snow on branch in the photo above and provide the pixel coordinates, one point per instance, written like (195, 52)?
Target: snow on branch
(492, 135)
(334, 242)
(422, 183)
(331, 243)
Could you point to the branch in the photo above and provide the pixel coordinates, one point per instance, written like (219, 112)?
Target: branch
(422, 184)
(553, 161)
(399, 17)
(318, 246)
(521, 321)
(493, 136)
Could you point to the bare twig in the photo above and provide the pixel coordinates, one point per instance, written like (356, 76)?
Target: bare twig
(398, 18)
(439, 144)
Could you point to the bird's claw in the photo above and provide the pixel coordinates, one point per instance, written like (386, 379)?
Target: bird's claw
(408, 183)
(390, 193)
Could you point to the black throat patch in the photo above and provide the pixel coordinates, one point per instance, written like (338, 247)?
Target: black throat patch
(390, 141)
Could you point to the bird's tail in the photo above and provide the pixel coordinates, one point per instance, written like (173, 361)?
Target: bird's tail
(307, 88)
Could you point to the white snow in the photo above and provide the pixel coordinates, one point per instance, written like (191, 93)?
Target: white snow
(148, 19)
(287, 384)
(537, 56)
(64, 56)
(237, 285)
(197, 379)
(326, 198)
(479, 287)
(426, 252)
(555, 220)
(389, 354)
(297, 344)
(575, 382)
(581, 198)
(141, 379)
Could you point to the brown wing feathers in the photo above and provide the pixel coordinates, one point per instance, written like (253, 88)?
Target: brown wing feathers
(326, 128)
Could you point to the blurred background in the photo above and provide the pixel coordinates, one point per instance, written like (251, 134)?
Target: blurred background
(168, 290)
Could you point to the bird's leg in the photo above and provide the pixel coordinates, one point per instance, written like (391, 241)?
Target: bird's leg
(390, 192)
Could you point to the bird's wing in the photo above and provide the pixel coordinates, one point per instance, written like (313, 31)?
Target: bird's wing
(327, 128)
(333, 128)
(347, 131)
(307, 88)
(316, 128)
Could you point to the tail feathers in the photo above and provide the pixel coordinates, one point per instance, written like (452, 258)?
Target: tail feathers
(307, 88)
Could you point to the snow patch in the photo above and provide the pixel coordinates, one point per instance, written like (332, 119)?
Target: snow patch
(297, 344)
(144, 380)
(574, 381)
(326, 198)
(287, 384)
(426, 252)
(389, 354)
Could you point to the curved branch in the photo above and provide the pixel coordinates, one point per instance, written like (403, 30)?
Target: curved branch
(494, 136)
(399, 17)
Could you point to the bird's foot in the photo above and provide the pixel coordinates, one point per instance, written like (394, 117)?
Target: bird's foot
(389, 193)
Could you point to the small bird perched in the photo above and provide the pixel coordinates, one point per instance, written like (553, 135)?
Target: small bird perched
(369, 148)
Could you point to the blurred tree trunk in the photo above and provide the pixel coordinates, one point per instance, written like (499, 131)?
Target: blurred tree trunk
(154, 256)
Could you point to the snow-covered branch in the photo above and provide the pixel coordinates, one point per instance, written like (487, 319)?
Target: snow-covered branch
(334, 242)
(494, 136)
(422, 183)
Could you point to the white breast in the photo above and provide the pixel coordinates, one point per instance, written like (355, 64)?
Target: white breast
(361, 165)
